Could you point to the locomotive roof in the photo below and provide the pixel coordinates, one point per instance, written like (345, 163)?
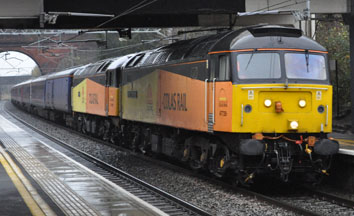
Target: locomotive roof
(118, 62)
(273, 37)
(92, 69)
(253, 37)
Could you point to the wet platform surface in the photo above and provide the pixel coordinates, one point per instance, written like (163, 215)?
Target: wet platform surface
(36, 179)
(15, 204)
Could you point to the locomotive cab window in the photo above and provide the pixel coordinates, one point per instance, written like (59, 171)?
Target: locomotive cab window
(224, 68)
(220, 68)
(258, 66)
(305, 66)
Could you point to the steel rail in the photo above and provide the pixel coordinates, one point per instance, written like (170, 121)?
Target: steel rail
(333, 198)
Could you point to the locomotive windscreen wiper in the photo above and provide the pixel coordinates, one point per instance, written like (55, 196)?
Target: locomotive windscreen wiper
(307, 61)
(249, 61)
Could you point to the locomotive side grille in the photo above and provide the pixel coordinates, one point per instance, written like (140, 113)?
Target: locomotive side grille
(150, 59)
(161, 58)
(200, 49)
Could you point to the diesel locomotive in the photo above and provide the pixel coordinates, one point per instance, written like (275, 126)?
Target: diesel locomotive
(257, 100)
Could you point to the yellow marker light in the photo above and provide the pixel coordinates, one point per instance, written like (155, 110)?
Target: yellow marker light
(294, 125)
(267, 103)
(302, 103)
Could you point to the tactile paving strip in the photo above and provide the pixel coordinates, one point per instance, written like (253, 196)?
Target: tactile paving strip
(62, 195)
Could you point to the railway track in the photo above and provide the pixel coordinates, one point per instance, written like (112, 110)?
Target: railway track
(317, 202)
(166, 202)
(305, 202)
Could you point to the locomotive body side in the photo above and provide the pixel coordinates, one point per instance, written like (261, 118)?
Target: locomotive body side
(89, 91)
(163, 95)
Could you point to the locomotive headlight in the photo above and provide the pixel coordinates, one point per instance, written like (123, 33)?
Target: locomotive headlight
(294, 125)
(302, 103)
(267, 103)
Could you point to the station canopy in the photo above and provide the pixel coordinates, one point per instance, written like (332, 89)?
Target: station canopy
(86, 14)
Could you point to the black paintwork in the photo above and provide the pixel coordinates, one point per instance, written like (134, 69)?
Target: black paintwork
(172, 57)
(177, 57)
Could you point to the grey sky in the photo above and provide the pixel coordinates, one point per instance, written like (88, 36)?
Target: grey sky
(15, 64)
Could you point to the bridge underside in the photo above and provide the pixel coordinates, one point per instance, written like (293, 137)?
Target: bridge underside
(82, 14)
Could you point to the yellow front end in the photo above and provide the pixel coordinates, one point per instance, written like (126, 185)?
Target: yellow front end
(277, 108)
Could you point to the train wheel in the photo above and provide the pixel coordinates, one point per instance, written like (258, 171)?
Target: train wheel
(79, 124)
(219, 161)
(197, 147)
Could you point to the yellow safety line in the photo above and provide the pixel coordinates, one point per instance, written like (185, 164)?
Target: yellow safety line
(345, 141)
(32, 205)
(345, 144)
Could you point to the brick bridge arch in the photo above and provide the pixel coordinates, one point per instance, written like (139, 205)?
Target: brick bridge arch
(49, 49)
(47, 60)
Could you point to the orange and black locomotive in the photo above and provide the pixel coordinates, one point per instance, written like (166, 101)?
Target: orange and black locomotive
(254, 100)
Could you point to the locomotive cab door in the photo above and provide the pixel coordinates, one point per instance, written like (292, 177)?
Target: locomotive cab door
(219, 94)
(112, 82)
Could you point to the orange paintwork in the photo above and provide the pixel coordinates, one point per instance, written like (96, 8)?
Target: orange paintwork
(113, 98)
(316, 51)
(266, 49)
(96, 98)
(280, 49)
(229, 51)
(186, 63)
(223, 106)
(182, 102)
(178, 101)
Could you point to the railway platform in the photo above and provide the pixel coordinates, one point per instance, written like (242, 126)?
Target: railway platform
(346, 142)
(36, 179)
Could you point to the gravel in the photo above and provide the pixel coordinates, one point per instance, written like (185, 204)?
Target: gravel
(208, 196)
